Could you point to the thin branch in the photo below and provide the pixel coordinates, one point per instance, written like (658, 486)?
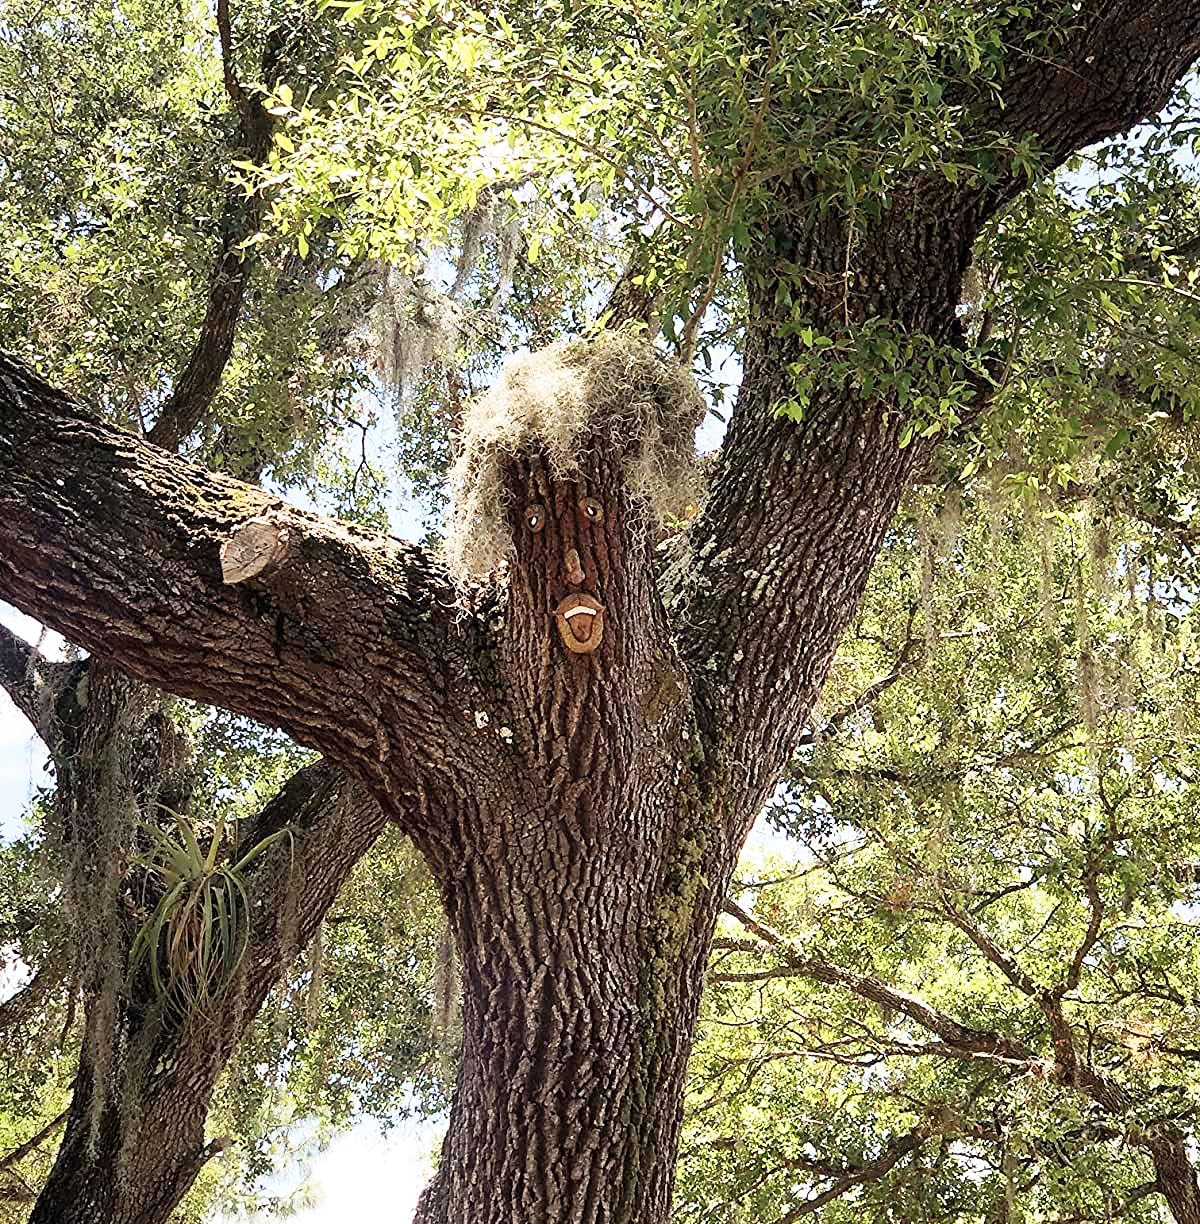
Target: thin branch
(225, 32)
(1000, 957)
(866, 698)
(1088, 942)
(987, 1045)
(536, 125)
(31, 1144)
(895, 1151)
(20, 1006)
(687, 343)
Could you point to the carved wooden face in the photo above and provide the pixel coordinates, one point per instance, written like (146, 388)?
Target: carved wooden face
(567, 543)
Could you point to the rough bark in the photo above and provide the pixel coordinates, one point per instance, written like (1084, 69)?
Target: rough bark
(1175, 1175)
(1106, 67)
(29, 679)
(330, 647)
(581, 812)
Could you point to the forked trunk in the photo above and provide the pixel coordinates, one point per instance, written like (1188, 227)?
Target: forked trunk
(583, 896)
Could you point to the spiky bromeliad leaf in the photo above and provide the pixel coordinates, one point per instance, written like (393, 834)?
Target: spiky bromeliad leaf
(193, 942)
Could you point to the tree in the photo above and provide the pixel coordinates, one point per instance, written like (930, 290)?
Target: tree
(970, 998)
(580, 794)
(123, 761)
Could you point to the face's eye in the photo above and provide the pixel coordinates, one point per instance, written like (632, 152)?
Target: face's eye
(593, 511)
(535, 518)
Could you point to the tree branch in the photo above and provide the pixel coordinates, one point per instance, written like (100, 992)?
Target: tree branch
(197, 383)
(798, 509)
(32, 1144)
(908, 660)
(1115, 66)
(201, 376)
(17, 1008)
(988, 1045)
(998, 956)
(875, 1170)
(1088, 942)
(23, 675)
(333, 822)
(1166, 1144)
(233, 86)
(118, 545)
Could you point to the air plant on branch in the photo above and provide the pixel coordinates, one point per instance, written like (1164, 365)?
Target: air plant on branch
(195, 939)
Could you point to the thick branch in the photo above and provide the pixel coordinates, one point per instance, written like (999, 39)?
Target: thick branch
(1116, 65)
(332, 821)
(797, 511)
(198, 381)
(118, 546)
(993, 1046)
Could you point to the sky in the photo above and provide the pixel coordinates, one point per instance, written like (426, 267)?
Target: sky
(366, 1174)
(22, 758)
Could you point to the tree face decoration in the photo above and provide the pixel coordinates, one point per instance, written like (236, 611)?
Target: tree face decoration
(565, 466)
(577, 522)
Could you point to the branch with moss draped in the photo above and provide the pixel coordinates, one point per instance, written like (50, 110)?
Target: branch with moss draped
(345, 636)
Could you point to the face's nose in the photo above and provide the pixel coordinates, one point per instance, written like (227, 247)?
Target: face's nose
(572, 570)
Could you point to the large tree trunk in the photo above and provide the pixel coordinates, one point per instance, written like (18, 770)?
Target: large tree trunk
(574, 1054)
(583, 896)
(1175, 1175)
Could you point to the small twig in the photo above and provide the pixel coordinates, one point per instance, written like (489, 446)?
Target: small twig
(687, 342)
(364, 464)
(225, 32)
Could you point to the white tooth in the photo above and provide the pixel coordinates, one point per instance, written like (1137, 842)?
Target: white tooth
(578, 612)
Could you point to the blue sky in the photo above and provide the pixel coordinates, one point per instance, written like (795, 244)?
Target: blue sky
(22, 758)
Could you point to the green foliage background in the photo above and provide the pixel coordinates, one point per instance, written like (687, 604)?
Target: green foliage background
(1008, 740)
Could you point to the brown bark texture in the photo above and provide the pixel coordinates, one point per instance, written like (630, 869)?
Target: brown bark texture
(581, 810)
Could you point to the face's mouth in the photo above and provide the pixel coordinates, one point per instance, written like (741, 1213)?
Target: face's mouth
(580, 620)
